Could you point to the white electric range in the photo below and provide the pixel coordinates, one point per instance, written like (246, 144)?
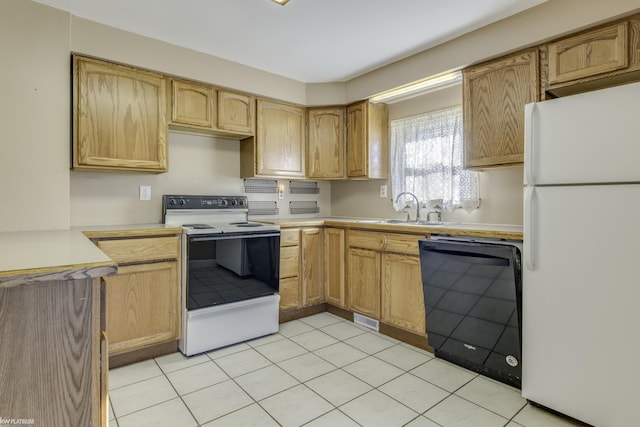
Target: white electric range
(230, 271)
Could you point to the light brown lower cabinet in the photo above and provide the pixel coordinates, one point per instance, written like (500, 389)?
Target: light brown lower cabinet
(311, 266)
(384, 278)
(402, 295)
(289, 268)
(363, 291)
(143, 299)
(142, 306)
(301, 267)
(334, 266)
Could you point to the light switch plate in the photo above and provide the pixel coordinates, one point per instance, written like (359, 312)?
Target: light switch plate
(145, 192)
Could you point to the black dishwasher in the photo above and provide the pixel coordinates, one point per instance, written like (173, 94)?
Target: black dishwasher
(473, 303)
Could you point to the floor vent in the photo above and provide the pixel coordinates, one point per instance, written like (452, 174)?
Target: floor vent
(366, 321)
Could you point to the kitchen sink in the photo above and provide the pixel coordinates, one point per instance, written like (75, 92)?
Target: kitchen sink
(433, 223)
(405, 222)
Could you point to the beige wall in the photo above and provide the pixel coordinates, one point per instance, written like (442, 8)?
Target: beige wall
(34, 116)
(198, 165)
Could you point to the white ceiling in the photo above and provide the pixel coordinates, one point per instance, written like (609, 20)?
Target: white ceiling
(312, 41)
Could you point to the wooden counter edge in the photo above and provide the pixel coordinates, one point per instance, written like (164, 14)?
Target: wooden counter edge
(131, 232)
(409, 229)
(13, 278)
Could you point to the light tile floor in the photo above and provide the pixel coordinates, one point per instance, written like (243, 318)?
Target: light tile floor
(317, 371)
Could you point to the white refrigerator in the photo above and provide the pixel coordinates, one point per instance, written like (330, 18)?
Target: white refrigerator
(581, 272)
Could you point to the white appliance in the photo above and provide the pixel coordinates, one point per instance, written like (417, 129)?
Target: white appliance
(229, 271)
(581, 273)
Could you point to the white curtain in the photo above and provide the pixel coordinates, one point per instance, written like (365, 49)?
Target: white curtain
(426, 160)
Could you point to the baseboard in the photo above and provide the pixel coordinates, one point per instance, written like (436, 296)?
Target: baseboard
(142, 354)
(297, 313)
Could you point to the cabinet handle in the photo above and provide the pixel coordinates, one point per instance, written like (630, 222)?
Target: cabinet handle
(384, 242)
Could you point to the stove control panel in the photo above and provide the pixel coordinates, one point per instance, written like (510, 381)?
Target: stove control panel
(171, 202)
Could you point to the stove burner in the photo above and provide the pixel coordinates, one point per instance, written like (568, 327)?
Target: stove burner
(198, 226)
(245, 224)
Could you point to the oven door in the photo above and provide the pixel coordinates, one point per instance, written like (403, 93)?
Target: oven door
(225, 268)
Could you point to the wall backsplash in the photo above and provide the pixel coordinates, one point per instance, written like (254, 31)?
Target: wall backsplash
(197, 165)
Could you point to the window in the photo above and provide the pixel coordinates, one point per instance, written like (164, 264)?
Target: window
(426, 160)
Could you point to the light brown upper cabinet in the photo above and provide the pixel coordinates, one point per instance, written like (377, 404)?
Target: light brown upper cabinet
(494, 96)
(200, 107)
(593, 59)
(278, 148)
(236, 112)
(119, 118)
(192, 104)
(367, 140)
(326, 142)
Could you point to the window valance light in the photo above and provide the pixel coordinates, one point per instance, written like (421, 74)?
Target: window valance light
(420, 87)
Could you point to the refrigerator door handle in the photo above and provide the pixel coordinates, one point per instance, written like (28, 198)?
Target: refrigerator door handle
(528, 243)
(529, 113)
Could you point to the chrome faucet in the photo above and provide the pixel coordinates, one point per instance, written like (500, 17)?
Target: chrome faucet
(417, 204)
(438, 216)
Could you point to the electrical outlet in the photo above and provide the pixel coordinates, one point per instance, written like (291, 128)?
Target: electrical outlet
(145, 192)
(383, 191)
(281, 191)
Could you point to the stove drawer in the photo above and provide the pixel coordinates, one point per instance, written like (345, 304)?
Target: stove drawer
(136, 250)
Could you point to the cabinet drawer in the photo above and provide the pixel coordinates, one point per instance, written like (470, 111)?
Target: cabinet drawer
(402, 243)
(289, 293)
(289, 261)
(290, 237)
(142, 249)
(366, 240)
(388, 242)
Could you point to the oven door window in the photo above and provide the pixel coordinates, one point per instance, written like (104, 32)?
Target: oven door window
(229, 268)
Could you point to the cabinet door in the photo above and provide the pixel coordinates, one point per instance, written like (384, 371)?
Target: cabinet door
(494, 96)
(402, 296)
(279, 147)
(364, 282)
(334, 263)
(357, 140)
(326, 143)
(311, 266)
(368, 140)
(600, 51)
(142, 306)
(236, 112)
(119, 118)
(192, 104)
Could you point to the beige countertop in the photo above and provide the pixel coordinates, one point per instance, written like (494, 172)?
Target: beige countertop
(36, 256)
(33, 256)
(496, 231)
